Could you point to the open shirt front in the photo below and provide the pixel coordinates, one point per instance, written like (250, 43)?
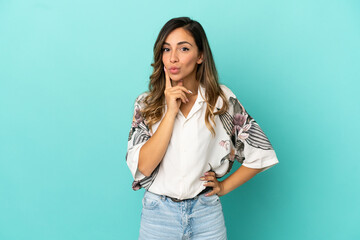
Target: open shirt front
(192, 150)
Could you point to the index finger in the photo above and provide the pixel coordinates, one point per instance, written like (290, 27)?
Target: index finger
(167, 79)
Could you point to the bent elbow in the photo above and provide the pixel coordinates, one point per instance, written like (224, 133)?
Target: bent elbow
(143, 171)
(146, 174)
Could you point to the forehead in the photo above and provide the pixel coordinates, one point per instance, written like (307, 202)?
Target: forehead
(179, 35)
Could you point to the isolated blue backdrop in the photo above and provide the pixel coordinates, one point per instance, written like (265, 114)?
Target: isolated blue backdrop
(71, 70)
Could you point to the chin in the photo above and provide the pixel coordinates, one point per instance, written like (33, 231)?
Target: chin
(176, 78)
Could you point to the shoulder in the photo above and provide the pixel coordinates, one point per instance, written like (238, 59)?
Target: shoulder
(230, 95)
(139, 101)
(234, 103)
(142, 96)
(227, 91)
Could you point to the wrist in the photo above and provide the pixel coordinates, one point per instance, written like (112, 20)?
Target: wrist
(171, 114)
(222, 189)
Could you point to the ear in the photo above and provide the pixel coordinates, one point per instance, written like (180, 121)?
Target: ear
(200, 58)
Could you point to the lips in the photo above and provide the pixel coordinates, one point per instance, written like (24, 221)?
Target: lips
(174, 70)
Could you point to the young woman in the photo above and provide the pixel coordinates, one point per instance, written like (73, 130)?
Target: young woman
(187, 130)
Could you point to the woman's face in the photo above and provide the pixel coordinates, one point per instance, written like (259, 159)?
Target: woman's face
(181, 55)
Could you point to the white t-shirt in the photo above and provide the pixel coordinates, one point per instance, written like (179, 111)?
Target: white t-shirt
(192, 150)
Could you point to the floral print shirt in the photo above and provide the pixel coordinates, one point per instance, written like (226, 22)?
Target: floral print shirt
(192, 150)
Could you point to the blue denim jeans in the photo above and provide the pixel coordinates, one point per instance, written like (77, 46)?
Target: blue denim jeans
(200, 218)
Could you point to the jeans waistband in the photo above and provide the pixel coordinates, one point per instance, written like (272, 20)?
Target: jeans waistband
(180, 200)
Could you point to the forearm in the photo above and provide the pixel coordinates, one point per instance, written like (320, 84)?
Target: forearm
(153, 151)
(236, 179)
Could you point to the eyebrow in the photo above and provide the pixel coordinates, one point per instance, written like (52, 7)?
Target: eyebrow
(179, 43)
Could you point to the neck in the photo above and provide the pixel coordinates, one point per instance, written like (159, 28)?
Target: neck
(192, 86)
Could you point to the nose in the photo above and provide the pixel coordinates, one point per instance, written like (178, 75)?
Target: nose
(173, 57)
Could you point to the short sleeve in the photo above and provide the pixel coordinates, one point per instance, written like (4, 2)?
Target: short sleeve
(252, 147)
(138, 135)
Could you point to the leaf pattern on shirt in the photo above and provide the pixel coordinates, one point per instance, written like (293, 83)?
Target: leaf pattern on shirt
(241, 128)
(225, 144)
(138, 134)
(139, 131)
(246, 128)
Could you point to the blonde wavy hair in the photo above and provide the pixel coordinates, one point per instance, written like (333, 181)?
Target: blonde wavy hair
(206, 73)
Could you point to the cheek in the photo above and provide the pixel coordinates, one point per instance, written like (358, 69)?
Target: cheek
(190, 61)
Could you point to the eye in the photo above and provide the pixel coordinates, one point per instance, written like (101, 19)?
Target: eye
(164, 49)
(185, 49)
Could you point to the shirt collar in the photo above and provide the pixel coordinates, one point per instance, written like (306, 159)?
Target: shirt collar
(201, 98)
(201, 94)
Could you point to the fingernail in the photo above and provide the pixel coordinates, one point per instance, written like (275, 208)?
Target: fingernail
(206, 173)
(190, 91)
(202, 178)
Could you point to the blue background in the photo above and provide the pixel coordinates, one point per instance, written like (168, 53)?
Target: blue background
(71, 70)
